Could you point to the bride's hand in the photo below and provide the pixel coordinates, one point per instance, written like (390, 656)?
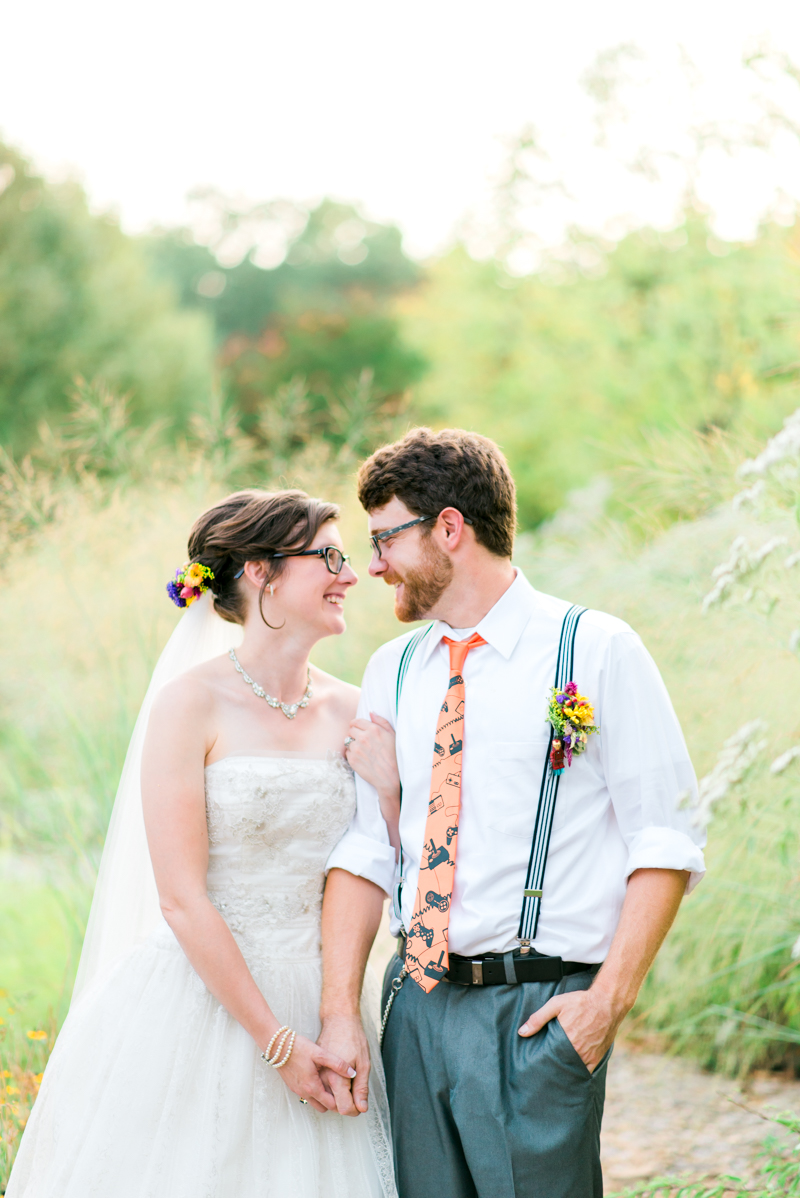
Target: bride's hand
(301, 1073)
(372, 756)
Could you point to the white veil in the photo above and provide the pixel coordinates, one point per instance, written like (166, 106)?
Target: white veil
(125, 907)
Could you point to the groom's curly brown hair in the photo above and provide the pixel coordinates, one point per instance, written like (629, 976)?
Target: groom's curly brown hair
(430, 471)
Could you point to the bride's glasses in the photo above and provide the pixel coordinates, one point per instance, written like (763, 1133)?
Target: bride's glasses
(334, 558)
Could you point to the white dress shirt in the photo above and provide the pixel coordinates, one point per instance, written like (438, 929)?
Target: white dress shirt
(617, 808)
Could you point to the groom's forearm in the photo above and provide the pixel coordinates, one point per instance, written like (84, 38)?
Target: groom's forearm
(351, 913)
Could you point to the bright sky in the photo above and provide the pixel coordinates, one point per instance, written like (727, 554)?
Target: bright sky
(403, 107)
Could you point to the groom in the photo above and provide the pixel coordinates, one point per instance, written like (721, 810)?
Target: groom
(528, 904)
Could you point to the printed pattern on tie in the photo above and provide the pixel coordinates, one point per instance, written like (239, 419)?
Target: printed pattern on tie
(426, 947)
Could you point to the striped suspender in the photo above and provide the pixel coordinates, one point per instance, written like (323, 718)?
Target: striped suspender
(405, 662)
(548, 792)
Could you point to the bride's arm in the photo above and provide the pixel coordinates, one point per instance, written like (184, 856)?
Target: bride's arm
(173, 796)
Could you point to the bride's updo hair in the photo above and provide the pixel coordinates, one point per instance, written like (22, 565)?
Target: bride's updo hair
(250, 526)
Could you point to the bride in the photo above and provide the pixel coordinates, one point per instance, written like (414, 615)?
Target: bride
(187, 1066)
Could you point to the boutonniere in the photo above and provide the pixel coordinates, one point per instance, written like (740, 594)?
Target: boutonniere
(572, 718)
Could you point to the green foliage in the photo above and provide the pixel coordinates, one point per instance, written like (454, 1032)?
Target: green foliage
(322, 315)
(669, 476)
(77, 298)
(572, 368)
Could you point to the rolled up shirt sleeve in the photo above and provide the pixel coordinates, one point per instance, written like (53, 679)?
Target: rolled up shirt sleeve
(648, 771)
(364, 849)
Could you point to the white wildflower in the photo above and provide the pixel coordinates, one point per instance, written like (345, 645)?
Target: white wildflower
(735, 758)
(768, 547)
(785, 444)
(791, 560)
(785, 759)
(741, 561)
(750, 495)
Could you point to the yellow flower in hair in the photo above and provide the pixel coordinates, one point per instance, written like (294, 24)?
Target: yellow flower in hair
(194, 575)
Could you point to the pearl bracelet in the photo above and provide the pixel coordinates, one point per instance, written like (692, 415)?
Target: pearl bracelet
(288, 1053)
(267, 1053)
(287, 1038)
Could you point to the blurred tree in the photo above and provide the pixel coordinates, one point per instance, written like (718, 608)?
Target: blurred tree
(77, 298)
(672, 331)
(298, 299)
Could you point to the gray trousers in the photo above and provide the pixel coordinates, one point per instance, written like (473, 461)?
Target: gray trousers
(478, 1111)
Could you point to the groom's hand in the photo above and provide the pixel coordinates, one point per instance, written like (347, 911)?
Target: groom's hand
(589, 1019)
(344, 1036)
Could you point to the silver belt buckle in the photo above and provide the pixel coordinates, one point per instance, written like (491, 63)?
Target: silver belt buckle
(477, 973)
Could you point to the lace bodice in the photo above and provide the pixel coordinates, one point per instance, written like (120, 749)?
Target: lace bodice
(272, 822)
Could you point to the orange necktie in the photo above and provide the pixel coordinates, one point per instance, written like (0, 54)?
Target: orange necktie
(426, 949)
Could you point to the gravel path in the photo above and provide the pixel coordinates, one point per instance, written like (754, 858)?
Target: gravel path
(665, 1116)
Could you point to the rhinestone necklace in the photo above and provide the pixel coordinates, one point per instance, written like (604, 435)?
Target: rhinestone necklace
(290, 710)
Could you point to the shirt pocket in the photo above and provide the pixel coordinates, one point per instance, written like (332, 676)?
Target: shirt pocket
(515, 775)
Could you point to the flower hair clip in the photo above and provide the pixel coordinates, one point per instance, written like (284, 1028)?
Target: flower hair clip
(572, 718)
(189, 584)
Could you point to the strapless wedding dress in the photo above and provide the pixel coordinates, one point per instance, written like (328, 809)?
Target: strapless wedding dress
(153, 1090)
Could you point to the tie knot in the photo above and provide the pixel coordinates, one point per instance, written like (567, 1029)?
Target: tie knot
(460, 649)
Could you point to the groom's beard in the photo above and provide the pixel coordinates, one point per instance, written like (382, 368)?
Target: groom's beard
(423, 586)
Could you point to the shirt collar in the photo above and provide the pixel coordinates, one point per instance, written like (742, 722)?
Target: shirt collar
(501, 627)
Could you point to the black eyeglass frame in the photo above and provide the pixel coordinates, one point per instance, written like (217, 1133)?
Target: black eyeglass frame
(390, 532)
(311, 553)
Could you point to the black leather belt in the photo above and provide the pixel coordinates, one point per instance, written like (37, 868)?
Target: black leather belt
(505, 969)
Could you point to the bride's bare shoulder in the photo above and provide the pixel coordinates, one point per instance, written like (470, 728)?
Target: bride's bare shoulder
(342, 696)
(193, 691)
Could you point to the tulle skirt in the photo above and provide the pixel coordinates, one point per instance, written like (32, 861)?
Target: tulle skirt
(154, 1091)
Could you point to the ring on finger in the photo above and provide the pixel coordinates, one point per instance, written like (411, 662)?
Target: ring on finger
(348, 741)
(304, 1101)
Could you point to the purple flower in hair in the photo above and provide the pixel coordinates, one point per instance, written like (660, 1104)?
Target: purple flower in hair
(174, 592)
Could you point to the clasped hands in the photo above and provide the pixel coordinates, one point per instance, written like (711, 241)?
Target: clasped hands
(344, 1034)
(309, 1070)
(589, 1019)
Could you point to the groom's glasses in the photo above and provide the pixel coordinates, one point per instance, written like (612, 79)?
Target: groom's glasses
(375, 541)
(334, 558)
